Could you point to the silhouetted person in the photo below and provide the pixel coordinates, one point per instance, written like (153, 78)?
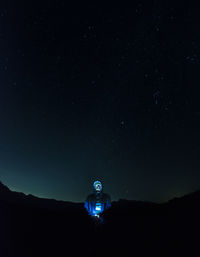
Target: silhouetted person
(97, 202)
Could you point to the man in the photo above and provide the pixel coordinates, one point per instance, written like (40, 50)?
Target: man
(97, 202)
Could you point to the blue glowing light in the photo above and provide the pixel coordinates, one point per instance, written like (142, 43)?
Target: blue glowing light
(98, 207)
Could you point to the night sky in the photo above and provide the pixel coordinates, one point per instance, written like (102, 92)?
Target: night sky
(100, 91)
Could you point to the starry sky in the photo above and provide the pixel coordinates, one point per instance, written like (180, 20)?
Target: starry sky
(100, 91)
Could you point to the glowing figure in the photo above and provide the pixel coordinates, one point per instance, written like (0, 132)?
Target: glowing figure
(97, 202)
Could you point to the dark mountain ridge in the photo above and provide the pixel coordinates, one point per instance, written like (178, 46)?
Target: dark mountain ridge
(13, 197)
(32, 226)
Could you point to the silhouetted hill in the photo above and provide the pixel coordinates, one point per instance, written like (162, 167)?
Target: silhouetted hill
(9, 196)
(4, 189)
(32, 226)
(189, 198)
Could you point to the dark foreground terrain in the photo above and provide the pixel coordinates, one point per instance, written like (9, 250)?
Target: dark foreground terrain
(30, 226)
